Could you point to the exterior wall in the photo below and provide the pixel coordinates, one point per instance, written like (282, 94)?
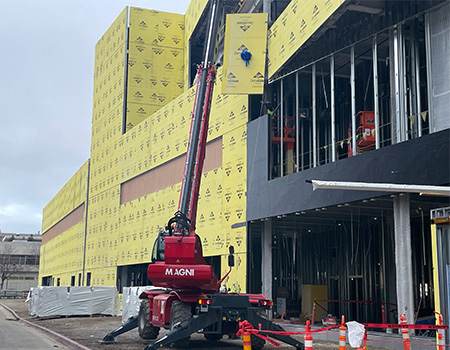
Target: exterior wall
(71, 196)
(121, 232)
(294, 27)
(64, 222)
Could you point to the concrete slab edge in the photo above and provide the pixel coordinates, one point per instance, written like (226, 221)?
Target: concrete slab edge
(59, 337)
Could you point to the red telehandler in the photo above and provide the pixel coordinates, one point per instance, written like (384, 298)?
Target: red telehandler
(188, 300)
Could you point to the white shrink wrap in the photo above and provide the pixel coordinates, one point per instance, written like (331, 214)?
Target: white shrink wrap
(74, 301)
(131, 301)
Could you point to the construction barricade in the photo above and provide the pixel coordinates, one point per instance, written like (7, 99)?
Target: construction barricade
(357, 334)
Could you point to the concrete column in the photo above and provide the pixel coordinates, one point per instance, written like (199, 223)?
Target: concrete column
(403, 258)
(266, 269)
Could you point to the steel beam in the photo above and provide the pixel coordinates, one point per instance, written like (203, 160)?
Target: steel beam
(282, 129)
(266, 268)
(376, 102)
(333, 112)
(353, 101)
(383, 187)
(398, 116)
(403, 257)
(314, 116)
(429, 77)
(418, 96)
(297, 122)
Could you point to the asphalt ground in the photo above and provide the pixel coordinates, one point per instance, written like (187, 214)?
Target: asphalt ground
(88, 331)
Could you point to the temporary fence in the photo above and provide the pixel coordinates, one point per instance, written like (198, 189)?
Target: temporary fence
(246, 330)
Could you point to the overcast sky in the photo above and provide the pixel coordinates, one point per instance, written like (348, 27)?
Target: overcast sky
(46, 80)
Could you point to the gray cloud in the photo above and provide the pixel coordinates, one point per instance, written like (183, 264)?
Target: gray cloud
(46, 75)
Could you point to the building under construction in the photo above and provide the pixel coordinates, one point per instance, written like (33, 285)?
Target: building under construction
(335, 90)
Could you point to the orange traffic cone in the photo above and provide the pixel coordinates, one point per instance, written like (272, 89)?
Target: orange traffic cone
(405, 333)
(342, 334)
(308, 337)
(441, 333)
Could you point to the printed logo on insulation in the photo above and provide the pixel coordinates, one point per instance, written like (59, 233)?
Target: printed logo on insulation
(245, 25)
(231, 78)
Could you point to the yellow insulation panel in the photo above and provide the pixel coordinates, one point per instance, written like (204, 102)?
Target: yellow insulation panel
(236, 281)
(70, 197)
(245, 32)
(294, 27)
(107, 113)
(109, 69)
(63, 255)
(155, 65)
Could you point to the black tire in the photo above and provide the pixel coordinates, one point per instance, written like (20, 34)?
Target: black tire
(180, 313)
(145, 328)
(257, 342)
(212, 337)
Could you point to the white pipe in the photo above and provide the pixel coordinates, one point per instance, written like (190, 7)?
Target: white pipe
(384, 187)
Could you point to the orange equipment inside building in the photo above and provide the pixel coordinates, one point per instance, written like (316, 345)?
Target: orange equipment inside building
(365, 136)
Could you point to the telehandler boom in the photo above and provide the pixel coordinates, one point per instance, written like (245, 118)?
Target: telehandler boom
(188, 300)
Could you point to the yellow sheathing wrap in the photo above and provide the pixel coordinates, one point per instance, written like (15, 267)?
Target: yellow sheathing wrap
(107, 126)
(245, 32)
(123, 234)
(107, 113)
(299, 20)
(71, 196)
(62, 255)
(155, 65)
